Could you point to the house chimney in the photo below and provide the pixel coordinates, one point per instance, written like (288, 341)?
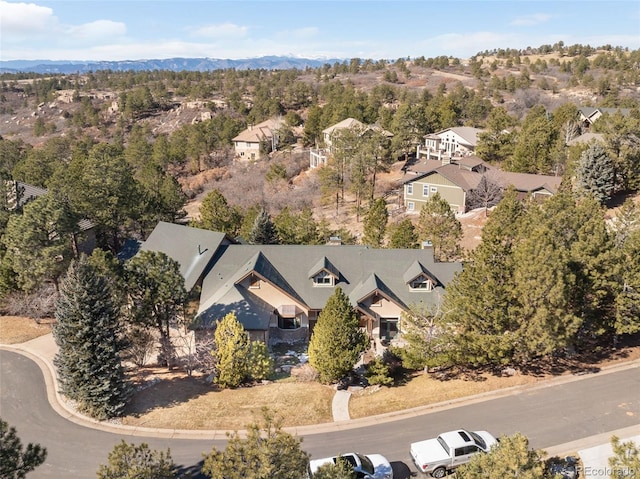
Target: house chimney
(428, 245)
(335, 241)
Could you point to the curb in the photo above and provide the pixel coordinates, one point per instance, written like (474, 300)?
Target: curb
(340, 402)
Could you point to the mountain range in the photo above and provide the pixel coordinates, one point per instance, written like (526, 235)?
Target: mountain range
(172, 64)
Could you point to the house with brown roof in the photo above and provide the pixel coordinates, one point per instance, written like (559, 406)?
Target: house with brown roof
(455, 178)
(278, 291)
(319, 156)
(248, 143)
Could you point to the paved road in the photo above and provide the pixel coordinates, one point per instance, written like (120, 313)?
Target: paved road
(559, 413)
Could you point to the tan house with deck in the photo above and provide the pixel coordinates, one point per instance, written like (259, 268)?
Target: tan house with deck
(319, 156)
(248, 143)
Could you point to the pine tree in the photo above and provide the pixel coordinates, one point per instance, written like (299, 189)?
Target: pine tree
(341, 469)
(337, 341)
(595, 173)
(130, 461)
(596, 264)
(375, 223)
(479, 299)
(263, 232)
(543, 282)
(532, 150)
(88, 334)
(266, 452)
(438, 224)
(217, 215)
(39, 243)
(511, 457)
(232, 348)
(403, 235)
(16, 461)
(625, 461)
(157, 295)
(627, 302)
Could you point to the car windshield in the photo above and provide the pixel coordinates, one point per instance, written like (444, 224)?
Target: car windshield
(479, 441)
(367, 465)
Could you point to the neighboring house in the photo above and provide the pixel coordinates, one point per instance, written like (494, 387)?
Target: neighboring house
(587, 138)
(319, 156)
(455, 178)
(278, 291)
(19, 194)
(247, 144)
(451, 142)
(588, 115)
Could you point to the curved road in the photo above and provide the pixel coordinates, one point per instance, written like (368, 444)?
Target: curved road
(560, 412)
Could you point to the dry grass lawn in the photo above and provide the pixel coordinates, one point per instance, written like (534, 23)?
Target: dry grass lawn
(173, 400)
(16, 329)
(179, 402)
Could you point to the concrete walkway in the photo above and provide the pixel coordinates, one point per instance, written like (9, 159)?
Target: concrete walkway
(340, 405)
(594, 450)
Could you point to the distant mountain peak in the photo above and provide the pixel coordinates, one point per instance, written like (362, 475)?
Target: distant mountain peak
(271, 62)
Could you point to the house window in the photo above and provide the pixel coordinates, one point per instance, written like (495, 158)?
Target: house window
(388, 328)
(323, 278)
(289, 323)
(410, 189)
(421, 284)
(425, 190)
(254, 282)
(376, 300)
(411, 206)
(433, 189)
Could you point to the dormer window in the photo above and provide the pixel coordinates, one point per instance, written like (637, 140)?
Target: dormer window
(323, 278)
(421, 283)
(254, 282)
(376, 300)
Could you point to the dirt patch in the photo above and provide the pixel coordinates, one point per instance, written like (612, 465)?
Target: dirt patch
(18, 329)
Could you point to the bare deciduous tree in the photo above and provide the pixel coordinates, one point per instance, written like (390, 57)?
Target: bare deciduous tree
(487, 194)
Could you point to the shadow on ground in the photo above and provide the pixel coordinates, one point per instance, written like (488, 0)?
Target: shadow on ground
(401, 470)
(166, 389)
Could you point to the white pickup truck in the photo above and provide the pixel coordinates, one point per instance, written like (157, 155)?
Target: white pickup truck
(366, 466)
(441, 455)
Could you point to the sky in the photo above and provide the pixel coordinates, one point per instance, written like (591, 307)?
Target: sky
(98, 30)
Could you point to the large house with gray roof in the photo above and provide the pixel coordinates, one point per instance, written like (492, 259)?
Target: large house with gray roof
(278, 291)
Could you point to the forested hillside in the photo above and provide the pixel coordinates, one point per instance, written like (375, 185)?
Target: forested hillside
(124, 150)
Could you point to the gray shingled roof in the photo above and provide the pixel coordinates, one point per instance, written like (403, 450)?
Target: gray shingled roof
(192, 248)
(290, 266)
(587, 137)
(324, 264)
(415, 270)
